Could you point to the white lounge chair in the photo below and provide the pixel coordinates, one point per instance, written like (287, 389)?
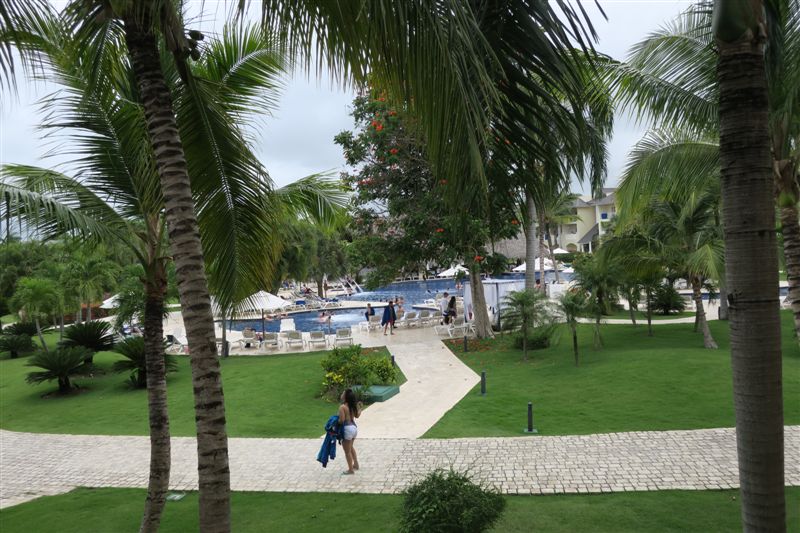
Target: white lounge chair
(343, 335)
(424, 318)
(456, 328)
(175, 342)
(271, 340)
(294, 337)
(249, 339)
(410, 319)
(374, 322)
(317, 337)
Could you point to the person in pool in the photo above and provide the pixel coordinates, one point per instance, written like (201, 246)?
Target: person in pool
(348, 412)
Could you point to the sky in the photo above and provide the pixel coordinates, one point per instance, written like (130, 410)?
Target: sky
(297, 140)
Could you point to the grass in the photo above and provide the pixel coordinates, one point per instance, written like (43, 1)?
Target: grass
(269, 396)
(635, 383)
(120, 510)
(8, 319)
(642, 317)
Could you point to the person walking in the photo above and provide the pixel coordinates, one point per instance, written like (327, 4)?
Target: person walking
(348, 412)
(389, 316)
(370, 312)
(443, 308)
(451, 309)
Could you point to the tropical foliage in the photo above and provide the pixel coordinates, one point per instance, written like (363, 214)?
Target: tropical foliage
(528, 313)
(95, 336)
(59, 365)
(133, 350)
(16, 345)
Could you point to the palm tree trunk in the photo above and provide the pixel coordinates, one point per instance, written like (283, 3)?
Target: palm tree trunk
(598, 340)
(723, 301)
(541, 255)
(552, 255)
(632, 311)
(649, 293)
(700, 314)
(531, 243)
(480, 315)
(41, 337)
(89, 311)
(749, 222)
(155, 289)
(525, 340)
(574, 329)
(184, 236)
(791, 251)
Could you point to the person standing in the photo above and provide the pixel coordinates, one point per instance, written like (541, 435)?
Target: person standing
(443, 308)
(389, 316)
(370, 312)
(451, 308)
(348, 412)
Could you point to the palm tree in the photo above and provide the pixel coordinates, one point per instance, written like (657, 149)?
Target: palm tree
(573, 305)
(90, 276)
(37, 298)
(599, 279)
(741, 31)
(671, 78)
(236, 70)
(522, 310)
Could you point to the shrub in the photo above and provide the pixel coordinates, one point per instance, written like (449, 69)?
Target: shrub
(538, 337)
(666, 300)
(345, 367)
(448, 501)
(95, 336)
(133, 350)
(58, 365)
(21, 328)
(383, 370)
(16, 344)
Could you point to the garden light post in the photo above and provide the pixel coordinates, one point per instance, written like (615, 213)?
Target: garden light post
(530, 428)
(483, 382)
(465, 344)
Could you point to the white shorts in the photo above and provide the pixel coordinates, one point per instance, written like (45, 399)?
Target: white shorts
(350, 432)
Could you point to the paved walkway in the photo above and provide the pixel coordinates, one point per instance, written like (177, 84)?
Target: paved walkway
(37, 464)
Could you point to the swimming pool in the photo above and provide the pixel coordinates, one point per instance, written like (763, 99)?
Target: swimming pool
(309, 321)
(414, 292)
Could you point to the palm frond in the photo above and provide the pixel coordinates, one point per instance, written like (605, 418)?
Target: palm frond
(318, 197)
(666, 163)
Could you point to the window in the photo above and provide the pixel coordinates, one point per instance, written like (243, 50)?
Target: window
(572, 229)
(604, 216)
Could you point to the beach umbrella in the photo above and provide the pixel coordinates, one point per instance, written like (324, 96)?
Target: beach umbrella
(110, 303)
(265, 301)
(451, 272)
(560, 251)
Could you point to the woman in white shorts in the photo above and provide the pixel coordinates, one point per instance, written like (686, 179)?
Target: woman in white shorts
(348, 412)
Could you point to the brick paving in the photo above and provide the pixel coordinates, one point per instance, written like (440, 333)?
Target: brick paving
(32, 465)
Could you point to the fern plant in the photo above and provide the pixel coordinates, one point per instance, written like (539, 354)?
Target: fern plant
(95, 336)
(58, 365)
(133, 350)
(16, 344)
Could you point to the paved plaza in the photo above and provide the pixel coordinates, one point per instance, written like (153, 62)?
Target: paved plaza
(36, 464)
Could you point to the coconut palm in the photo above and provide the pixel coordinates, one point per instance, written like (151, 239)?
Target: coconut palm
(671, 78)
(598, 279)
(37, 298)
(572, 305)
(238, 219)
(749, 126)
(90, 276)
(520, 311)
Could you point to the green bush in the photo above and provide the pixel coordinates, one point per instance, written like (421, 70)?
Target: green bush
(133, 350)
(448, 501)
(21, 328)
(58, 365)
(538, 337)
(667, 300)
(346, 367)
(16, 344)
(566, 258)
(95, 336)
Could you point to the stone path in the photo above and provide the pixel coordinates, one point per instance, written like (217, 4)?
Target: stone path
(32, 465)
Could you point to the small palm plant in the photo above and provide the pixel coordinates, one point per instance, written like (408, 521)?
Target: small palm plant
(16, 344)
(95, 336)
(573, 305)
(134, 352)
(523, 311)
(59, 365)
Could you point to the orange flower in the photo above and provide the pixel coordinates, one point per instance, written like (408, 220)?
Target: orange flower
(392, 113)
(508, 142)
(443, 182)
(393, 151)
(439, 230)
(514, 221)
(478, 258)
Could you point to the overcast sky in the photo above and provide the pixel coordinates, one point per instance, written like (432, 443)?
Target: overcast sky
(298, 139)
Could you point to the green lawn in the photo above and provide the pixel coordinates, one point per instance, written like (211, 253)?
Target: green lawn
(269, 396)
(635, 383)
(120, 510)
(642, 317)
(8, 319)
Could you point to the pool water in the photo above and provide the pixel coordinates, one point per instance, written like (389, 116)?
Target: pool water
(309, 321)
(414, 292)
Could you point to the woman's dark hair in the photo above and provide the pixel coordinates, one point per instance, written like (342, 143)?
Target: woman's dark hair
(350, 400)
(452, 302)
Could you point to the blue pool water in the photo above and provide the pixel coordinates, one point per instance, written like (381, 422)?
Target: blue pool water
(309, 321)
(414, 292)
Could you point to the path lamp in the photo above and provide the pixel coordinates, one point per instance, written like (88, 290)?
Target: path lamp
(530, 428)
(483, 382)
